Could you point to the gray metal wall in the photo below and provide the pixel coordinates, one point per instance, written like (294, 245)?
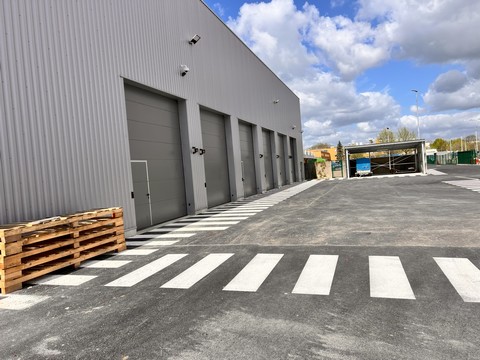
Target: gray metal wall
(63, 129)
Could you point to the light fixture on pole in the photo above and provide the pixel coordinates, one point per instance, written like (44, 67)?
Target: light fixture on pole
(418, 121)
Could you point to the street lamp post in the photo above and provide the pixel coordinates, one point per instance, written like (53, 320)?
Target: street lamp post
(388, 140)
(418, 121)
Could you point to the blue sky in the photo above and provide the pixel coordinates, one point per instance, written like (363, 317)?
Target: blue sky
(353, 64)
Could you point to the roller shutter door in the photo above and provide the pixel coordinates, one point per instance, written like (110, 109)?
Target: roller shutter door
(248, 159)
(216, 161)
(155, 151)
(292, 159)
(281, 160)
(267, 158)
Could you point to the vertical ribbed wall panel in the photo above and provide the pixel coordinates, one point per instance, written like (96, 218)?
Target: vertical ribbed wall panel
(63, 130)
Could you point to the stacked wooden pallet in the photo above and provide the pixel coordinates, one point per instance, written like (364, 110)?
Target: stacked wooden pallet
(30, 250)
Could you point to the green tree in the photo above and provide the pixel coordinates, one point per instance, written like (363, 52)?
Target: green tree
(405, 134)
(440, 144)
(470, 142)
(320, 146)
(339, 151)
(386, 135)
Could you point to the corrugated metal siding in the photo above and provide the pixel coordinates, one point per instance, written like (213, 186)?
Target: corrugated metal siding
(64, 139)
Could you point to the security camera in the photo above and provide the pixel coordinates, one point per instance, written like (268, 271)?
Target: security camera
(184, 70)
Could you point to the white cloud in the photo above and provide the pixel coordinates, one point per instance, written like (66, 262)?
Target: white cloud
(348, 47)
(219, 9)
(444, 125)
(453, 90)
(430, 31)
(319, 58)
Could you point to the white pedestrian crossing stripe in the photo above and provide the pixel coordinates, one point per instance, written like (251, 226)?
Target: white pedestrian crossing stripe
(64, 280)
(317, 275)
(388, 278)
(254, 274)
(471, 184)
(105, 264)
(146, 271)
(160, 243)
(175, 236)
(197, 272)
(137, 252)
(20, 302)
(463, 275)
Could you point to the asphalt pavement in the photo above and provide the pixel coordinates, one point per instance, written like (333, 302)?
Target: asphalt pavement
(371, 268)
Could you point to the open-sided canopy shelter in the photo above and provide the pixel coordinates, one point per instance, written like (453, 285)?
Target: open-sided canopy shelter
(390, 158)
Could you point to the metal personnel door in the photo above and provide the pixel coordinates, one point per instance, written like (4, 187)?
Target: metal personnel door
(141, 190)
(248, 159)
(216, 161)
(267, 158)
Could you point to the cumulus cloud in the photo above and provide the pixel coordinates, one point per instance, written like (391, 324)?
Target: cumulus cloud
(219, 9)
(445, 126)
(319, 58)
(430, 31)
(453, 90)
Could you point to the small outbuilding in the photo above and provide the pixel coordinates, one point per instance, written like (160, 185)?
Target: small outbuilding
(403, 157)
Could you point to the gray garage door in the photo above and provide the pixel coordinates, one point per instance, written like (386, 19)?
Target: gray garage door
(155, 151)
(267, 158)
(281, 160)
(292, 157)
(216, 161)
(248, 159)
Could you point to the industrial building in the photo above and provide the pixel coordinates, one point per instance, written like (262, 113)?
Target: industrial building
(151, 105)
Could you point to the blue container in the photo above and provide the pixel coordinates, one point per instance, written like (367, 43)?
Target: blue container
(363, 167)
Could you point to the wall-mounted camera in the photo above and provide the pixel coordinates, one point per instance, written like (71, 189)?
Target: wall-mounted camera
(184, 70)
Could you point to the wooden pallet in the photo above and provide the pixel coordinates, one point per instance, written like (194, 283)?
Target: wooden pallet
(33, 249)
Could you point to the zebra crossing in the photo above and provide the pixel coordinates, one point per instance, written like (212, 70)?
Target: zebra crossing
(387, 276)
(470, 184)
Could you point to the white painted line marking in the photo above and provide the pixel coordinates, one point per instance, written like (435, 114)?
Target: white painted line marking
(20, 302)
(463, 275)
(254, 273)
(211, 223)
(388, 279)
(197, 272)
(161, 242)
(317, 275)
(173, 236)
(233, 214)
(135, 243)
(141, 237)
(205, 228)
(257, 207)
(146, 271)
(225, 218)
(140, 252)
(160, 229)
(105, 264)
(63, 280)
